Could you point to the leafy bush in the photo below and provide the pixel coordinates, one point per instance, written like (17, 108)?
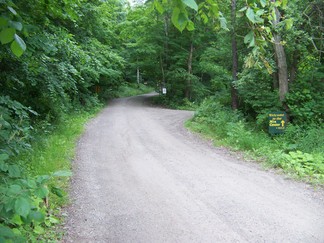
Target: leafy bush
(23, 206)
(15, 127)
(255, 90)
(304, 164)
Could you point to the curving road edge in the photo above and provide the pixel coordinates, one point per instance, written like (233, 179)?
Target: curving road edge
(139, 176)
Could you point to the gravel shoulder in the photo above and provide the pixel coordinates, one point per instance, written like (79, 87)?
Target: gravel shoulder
(140, 176)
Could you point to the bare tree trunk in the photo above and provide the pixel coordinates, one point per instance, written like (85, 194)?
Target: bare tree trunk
(234, 95)
(166, 42)
(162, 71)
(138, 76)
(281, 60)
(189, 81)
(164, 59)
(293, 68)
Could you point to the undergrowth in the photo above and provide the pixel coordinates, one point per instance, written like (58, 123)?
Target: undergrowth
(34, 189)
(298, 152)
(184, 104)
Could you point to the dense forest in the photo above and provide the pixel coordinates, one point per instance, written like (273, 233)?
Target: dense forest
(232, 61)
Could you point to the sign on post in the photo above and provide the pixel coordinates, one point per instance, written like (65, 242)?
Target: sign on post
(164, 91)
(277, 122)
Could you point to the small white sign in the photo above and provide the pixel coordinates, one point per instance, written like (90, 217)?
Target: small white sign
(164, 91)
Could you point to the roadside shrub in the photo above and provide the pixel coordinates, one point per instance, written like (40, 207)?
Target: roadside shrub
(15, 126)
(304, 164)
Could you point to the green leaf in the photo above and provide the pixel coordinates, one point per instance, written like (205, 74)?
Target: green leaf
(248, 37)
(223, 23)
(4, 157)
(36, 216)
(57, 191)
(39, 230)
(16, 25)
(12, 10)
(16, 219)
(191, 4)
(53, 220)
(289, 23)
(7, 35)
(14, 190)
(6, 232)
(179, 19)
(204, 17)
(190, 26)
(182, 21)
(29, 183)
(41, 192)
(214, 9)
(18, 46)
(3, 166)
(65, 173)
(252, 42)
(3, 22)
(42, 179)
(263, 3)
(250, 15)
(158, 7)
(175, 16)
(284, 4)
(14, 171)
(22, 206)
(243, 9)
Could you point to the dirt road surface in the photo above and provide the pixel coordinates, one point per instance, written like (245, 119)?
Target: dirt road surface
(139, 176)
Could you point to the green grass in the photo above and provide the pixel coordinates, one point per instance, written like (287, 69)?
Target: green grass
(298, 153)
(127, 90)
(53, 150)
(163, 101)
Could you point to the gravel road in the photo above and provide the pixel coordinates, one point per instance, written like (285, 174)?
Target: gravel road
(139, 176)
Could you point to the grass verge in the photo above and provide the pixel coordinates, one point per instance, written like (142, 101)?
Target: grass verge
(52, 151)
(298, 153)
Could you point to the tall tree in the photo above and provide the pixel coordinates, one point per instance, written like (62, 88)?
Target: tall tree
(234, 94)
(281, 59)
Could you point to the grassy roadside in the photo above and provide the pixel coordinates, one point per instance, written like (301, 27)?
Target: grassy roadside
(51, 153)
(298, 153)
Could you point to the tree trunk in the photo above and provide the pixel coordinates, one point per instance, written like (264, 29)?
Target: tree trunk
(293, 68)
(164, 58)
(162, 71)
(280, 59)
(138, 76)
(189, 81)
(234, 95)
